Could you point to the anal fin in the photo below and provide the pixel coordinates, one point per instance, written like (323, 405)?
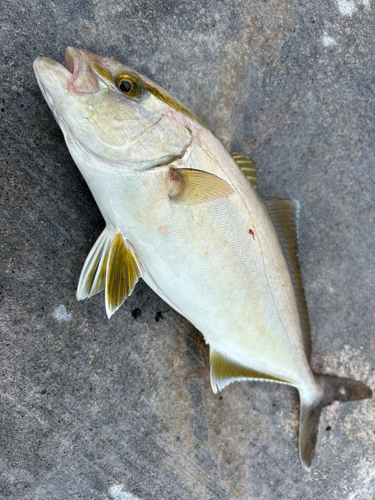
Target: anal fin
(224, 371)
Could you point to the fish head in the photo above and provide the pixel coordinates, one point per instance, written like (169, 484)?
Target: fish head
(112, 115)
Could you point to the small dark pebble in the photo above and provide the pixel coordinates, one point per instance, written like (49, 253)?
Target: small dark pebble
(328, 428)
(158, 316)
(136, 313)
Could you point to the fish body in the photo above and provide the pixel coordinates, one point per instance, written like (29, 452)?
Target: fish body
(180, 214)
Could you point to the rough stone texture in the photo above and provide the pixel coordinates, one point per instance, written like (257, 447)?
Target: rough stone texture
(91, 408)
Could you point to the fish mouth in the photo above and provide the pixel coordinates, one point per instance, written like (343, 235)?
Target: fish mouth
(56, 81)
(76, 75)
(82, 78)
(72, 60)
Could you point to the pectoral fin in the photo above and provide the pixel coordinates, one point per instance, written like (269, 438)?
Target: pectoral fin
(113, 265)
(224, 371)
(193, 187)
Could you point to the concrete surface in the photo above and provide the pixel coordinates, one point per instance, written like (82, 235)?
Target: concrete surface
(97, 409)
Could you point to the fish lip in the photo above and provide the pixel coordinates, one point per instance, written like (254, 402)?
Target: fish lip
(73, 62)
(71, 59)
(43, 63)
(83, 79)
(77, 74)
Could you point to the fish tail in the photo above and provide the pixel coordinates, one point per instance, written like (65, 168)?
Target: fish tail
(334, 389)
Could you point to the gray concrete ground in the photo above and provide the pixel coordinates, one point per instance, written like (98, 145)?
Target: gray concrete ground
(97, 409)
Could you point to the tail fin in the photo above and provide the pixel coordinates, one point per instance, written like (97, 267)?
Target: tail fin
(335, 389)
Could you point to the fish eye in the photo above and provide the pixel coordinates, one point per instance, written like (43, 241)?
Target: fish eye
(129, 84)
(125, 86)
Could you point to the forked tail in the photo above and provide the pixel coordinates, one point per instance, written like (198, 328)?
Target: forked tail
(335, 389)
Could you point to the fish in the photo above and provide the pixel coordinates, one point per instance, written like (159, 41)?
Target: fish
(183, 214)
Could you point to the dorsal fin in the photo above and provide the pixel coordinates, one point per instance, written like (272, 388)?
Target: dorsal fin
(284, 215)
(123, 272)
(246, 166)
(224, 371)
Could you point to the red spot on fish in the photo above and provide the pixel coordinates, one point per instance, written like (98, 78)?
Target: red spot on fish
(251, 233)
